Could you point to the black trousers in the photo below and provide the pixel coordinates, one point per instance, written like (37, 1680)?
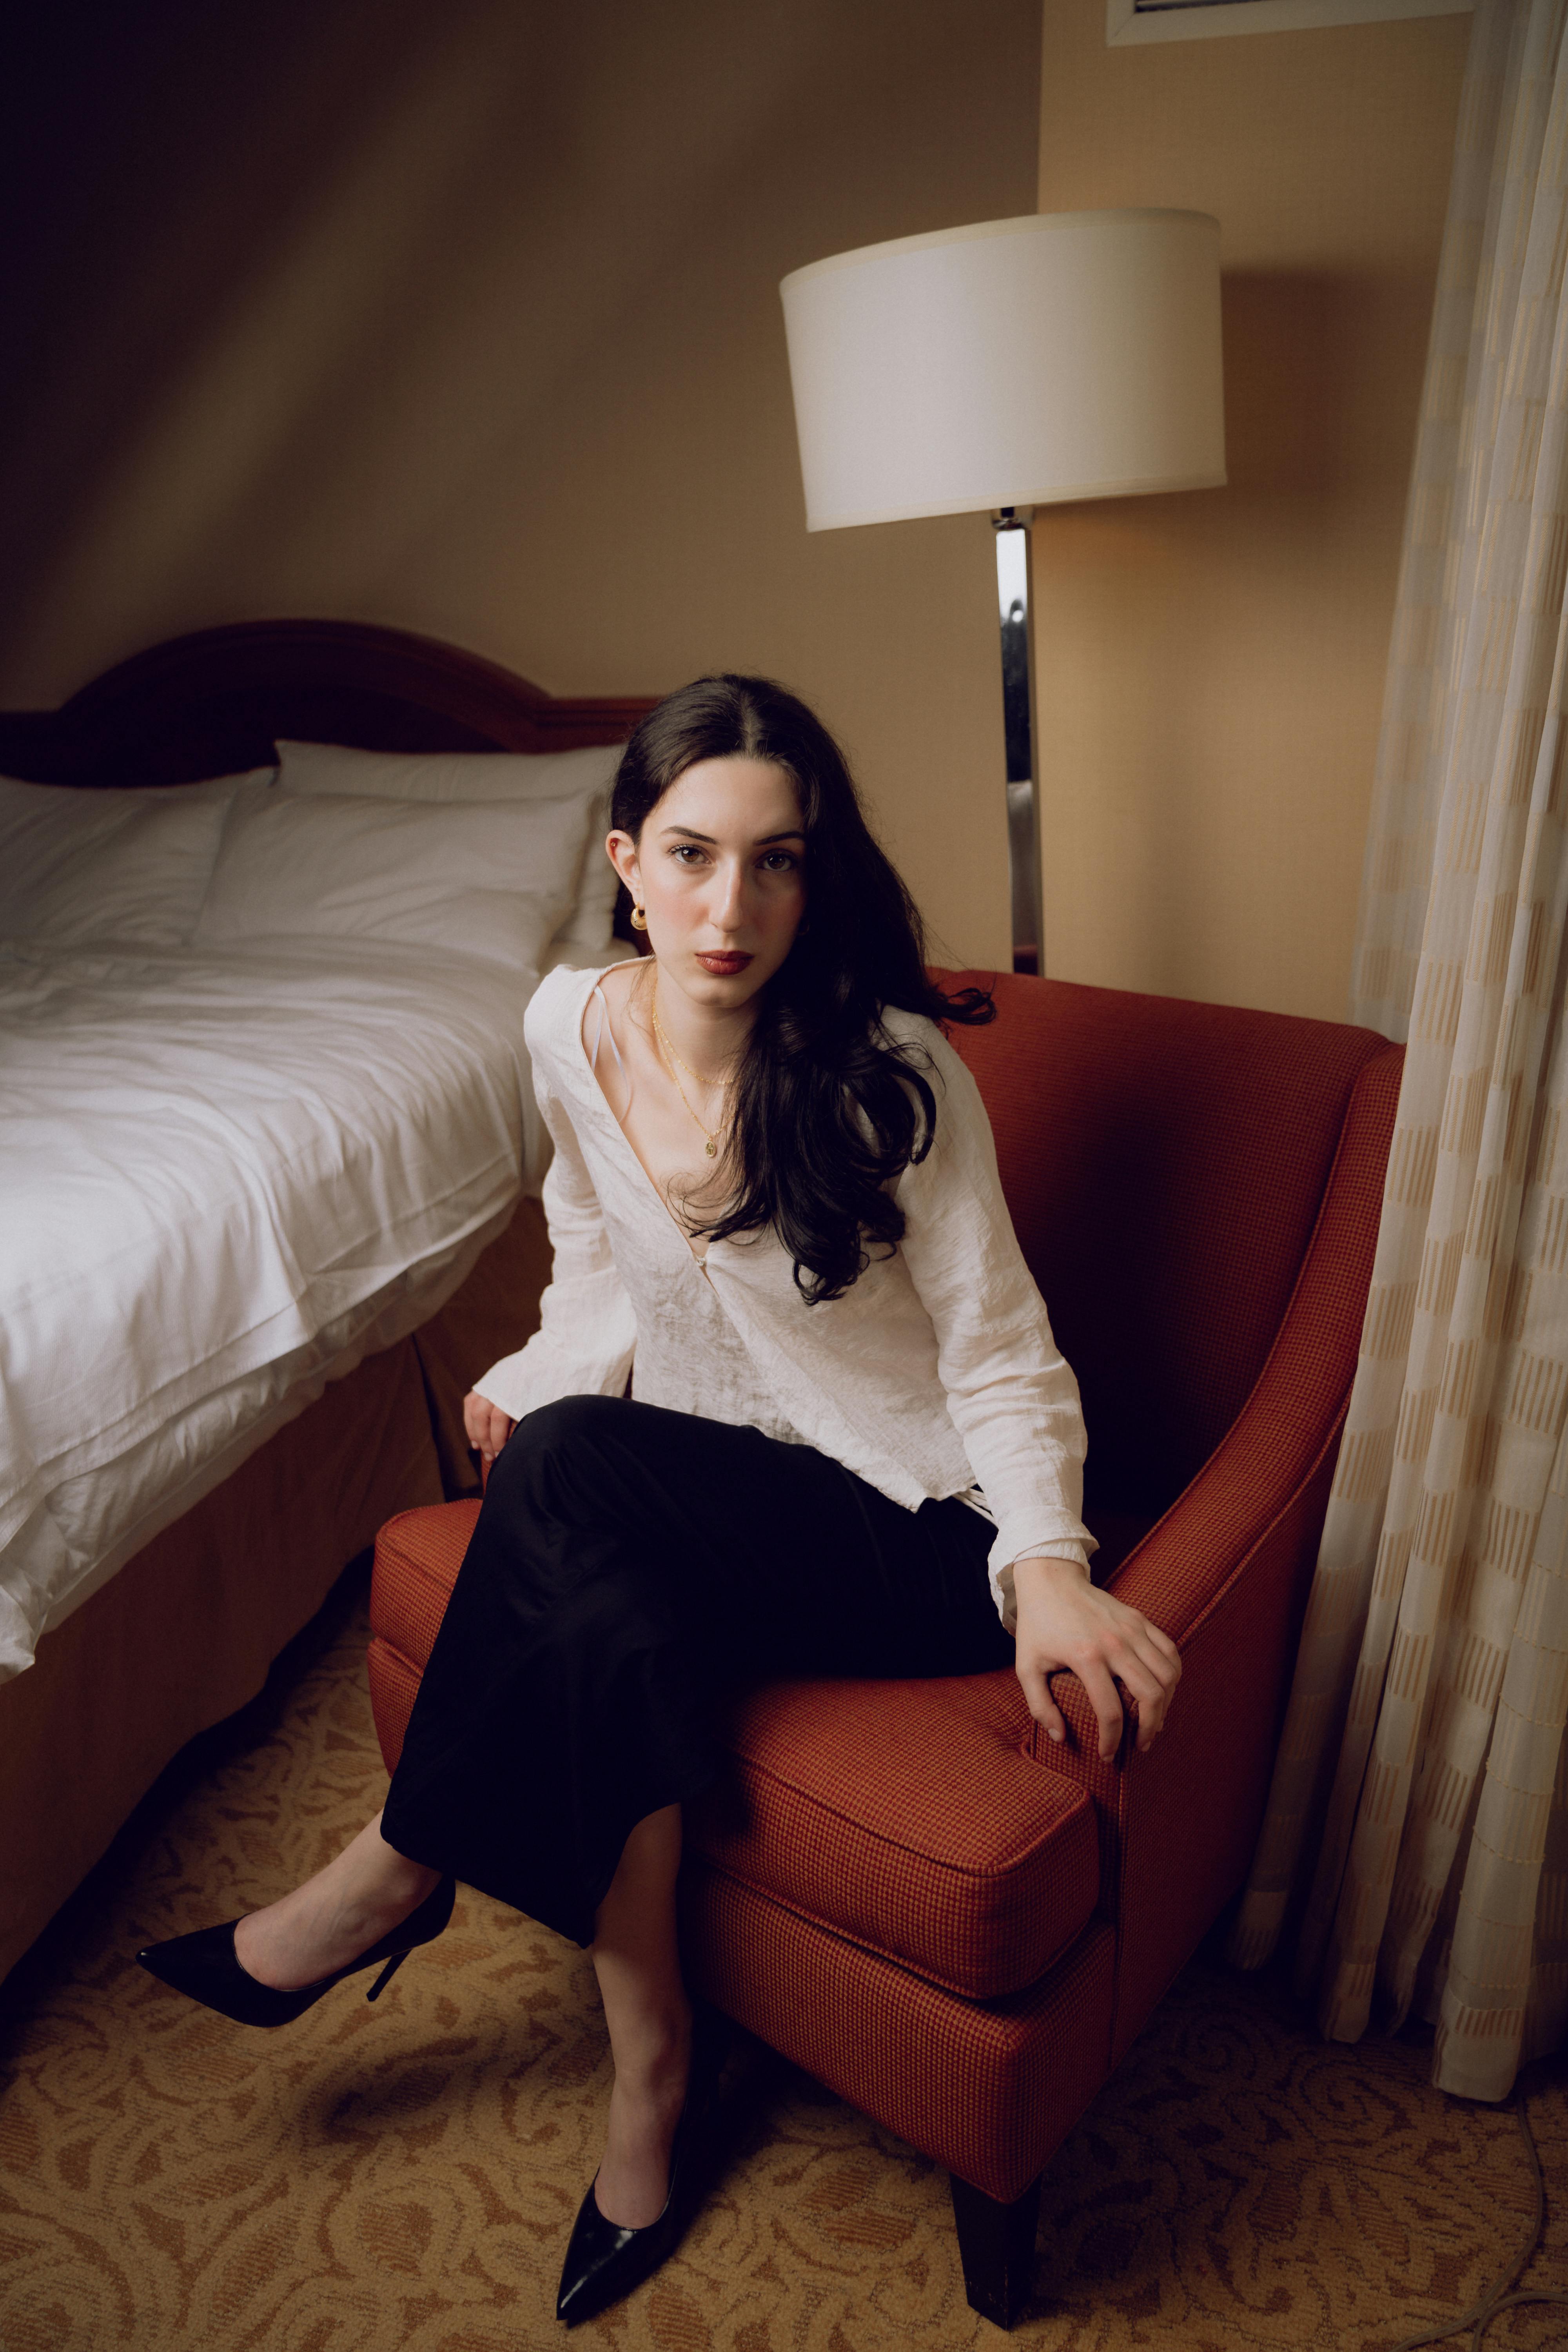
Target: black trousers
(628, 1567)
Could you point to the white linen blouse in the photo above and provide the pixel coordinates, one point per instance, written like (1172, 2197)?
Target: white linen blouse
(934, 1375)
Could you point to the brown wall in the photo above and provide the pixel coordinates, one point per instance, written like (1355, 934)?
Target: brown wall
(466, 319)
(1211, 666)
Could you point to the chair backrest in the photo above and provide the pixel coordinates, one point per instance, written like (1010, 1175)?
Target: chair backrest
(1164, 1163)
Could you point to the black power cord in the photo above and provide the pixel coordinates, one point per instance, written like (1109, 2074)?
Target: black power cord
(1480, 2316)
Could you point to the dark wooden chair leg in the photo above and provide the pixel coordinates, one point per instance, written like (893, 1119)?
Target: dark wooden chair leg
(996, 2245)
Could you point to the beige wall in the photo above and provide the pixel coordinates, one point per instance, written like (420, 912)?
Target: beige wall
(466, 319)
(1210, 667)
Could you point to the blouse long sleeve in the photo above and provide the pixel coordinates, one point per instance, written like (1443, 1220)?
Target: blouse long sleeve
(1010, 1392)
(587, 1332)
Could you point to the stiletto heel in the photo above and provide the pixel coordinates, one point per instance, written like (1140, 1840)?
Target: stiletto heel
(605, 2261)
(385, 1978)
(206, 1968)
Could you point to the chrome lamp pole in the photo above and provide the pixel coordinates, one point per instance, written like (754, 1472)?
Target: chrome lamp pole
(1012, 529)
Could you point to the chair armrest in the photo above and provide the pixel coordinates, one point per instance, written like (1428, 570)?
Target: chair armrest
(1225, 1574)
(1178, 1575)
(1180, 1571)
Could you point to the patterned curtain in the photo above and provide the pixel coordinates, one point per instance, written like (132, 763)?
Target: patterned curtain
(1423, 1754)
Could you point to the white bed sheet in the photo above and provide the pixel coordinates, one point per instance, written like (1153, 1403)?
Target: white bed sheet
(224, 1178)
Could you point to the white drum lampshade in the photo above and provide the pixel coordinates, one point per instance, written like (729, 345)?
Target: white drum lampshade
(1019, 362)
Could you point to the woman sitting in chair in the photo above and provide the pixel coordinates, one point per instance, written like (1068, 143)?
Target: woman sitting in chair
(773, 1202)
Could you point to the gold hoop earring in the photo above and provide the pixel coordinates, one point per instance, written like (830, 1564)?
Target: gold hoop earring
(639, 920)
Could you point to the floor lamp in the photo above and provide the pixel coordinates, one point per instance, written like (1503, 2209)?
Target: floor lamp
(1015, 365)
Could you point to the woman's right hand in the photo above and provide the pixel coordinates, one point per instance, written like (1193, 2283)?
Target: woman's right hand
(1065, 1622)
(488, 1428)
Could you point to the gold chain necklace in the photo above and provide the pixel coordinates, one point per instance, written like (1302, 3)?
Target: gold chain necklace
(709, 1145)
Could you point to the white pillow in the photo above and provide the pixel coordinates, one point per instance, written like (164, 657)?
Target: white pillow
(483, 881)
(320, 769)
(119, 867)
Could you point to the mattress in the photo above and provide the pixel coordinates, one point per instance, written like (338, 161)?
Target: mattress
(226, 1178)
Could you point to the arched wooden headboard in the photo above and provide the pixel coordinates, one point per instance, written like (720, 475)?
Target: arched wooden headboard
(215, 702)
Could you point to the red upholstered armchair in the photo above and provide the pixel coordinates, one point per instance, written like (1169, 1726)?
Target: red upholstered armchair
(950, 1923)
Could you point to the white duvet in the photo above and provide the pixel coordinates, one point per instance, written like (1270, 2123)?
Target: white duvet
(223, 1180)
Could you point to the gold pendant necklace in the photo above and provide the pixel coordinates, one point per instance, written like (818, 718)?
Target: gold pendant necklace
(671, 1059)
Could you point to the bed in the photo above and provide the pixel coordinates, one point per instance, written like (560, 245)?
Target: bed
(271, 1163)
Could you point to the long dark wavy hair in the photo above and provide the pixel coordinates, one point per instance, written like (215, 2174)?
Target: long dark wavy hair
(827, 1110)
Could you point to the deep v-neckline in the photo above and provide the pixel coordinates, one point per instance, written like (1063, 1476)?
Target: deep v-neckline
(591, 1060)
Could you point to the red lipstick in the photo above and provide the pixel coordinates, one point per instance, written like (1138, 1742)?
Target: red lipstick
(724, 966)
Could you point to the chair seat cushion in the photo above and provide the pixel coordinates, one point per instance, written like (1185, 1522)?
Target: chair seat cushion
(417, 1556)
(902, 1815)
(905, 1816)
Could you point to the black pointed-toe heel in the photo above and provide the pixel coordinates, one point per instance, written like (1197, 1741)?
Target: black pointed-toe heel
(205, 1966)
(605, 2261)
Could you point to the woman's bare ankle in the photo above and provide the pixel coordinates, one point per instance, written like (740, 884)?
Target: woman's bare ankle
(633, 2183)
(653, 2060)
(362, 1896)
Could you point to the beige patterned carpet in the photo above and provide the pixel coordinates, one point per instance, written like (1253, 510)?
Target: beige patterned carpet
(405, 2176)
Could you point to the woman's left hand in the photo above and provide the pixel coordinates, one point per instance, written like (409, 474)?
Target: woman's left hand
(1065, 1622)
